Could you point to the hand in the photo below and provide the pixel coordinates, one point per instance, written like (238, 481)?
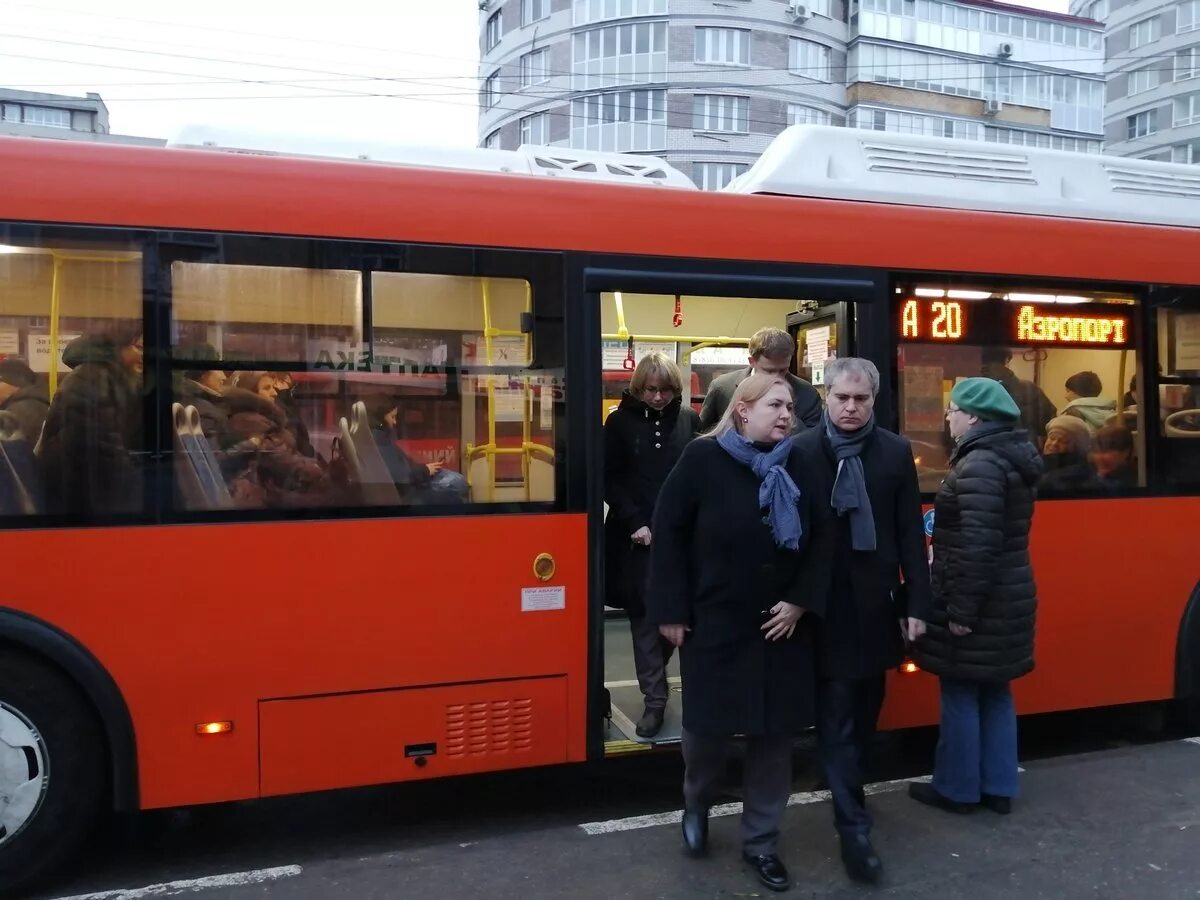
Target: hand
(959, 630)
(911, 629)
(673, 633)
(641, 536)
(783, 623)
(434, 467)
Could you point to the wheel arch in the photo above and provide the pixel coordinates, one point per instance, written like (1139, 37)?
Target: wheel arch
(69, 655)
(1187, 649)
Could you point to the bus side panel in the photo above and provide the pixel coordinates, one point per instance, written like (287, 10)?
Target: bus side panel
(200, 623)
(1113, 579)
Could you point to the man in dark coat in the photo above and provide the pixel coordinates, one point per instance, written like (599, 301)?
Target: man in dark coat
(980, 633)
(771, 351)
(868, 477)
(24, 398)
(1035, 407)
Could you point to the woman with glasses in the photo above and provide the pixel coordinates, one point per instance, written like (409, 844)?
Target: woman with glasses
(643, 438)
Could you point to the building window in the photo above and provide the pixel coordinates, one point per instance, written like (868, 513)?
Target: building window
(1141, 124)
(819, 7)
(491, 92)
(1187, 64)
(619, 55)
(620, 121)
(712, 176)
(47, 116)
(1142, 80)
(535, 68)
(1096, 10)
(1144, 32)
(535, 130)
(1187, 110)
(799, 114)
(534, 10)
(588, 11)
(723, 46)
(717, 112)
(492, 141)
(1041, 139)
(900, 122)
(1186, 153)
(810, 59)
(494, 30)
(1189, 16)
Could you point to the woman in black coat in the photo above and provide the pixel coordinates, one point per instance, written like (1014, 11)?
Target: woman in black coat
(643, 438)
(727, 585)
(980, 634)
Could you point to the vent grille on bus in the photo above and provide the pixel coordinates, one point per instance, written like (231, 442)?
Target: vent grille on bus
(982, 165)
(489, 728)
(632, 170)
(1156, 184)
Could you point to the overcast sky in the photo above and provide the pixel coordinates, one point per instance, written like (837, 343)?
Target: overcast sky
(264, 65)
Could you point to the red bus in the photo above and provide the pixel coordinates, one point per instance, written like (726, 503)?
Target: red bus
(190, 617)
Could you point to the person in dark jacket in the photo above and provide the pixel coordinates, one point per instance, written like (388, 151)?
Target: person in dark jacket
(730, 535)
(643, 439)
(285, 398)
(980, 634)
(868, 476)
(771, 352)
(24, 398)
(1112, 454)
(93, 428)
(418, 483)
(1035, 407)
(1067, 467)
(204, 389)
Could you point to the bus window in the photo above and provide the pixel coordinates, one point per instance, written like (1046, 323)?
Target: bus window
(286, 397)
(1066, 360)
(1178, 333)
(71, 379)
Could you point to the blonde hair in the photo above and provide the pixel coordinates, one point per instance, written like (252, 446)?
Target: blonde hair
(750, 391)
(656, 364)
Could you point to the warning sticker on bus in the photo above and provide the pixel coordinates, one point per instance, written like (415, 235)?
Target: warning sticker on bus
(535, 599)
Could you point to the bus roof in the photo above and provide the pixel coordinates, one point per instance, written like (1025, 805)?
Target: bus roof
(854, 164)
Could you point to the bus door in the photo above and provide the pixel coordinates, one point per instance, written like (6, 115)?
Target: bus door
(704, 326)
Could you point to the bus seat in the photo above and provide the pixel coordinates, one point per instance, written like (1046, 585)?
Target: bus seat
(186, 477)
(378, 488)
(212, 479)
(541, 483)
(350, 455)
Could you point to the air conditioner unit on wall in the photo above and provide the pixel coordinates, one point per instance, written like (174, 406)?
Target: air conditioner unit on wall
(1005, 50)
(993, 107)
(800, 12)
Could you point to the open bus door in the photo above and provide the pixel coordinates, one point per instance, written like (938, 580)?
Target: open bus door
(704, 324)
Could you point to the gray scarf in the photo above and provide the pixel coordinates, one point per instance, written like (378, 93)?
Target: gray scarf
(850, 486)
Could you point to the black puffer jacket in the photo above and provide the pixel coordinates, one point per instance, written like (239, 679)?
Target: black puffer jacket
(982, 577)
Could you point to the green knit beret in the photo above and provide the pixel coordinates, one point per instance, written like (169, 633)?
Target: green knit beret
(985, 398)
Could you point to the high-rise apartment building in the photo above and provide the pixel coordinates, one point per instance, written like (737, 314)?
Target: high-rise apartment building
(708, 83)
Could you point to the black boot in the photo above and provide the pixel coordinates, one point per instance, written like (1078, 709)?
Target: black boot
(928, 794)
(860, 859)
(695, 831)
(996, 803)
(650, 723)
(770, 870)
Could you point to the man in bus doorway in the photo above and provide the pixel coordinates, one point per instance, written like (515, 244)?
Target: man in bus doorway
(868, 477)
(771, 351)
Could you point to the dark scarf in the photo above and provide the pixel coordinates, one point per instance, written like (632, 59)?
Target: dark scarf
(777, 493)
(850, 485)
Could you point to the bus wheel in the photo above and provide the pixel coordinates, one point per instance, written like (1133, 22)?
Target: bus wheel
(52, 770)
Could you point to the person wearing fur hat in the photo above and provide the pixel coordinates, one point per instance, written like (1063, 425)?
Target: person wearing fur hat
(979, 637)
(1067, 467)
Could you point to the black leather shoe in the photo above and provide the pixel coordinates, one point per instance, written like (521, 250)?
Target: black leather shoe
(860, 859)
(650, 723)
(996, 803)
(695, 831)
(928, 794)
(770, 870)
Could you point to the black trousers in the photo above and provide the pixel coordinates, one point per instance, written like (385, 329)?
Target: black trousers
(847, 713)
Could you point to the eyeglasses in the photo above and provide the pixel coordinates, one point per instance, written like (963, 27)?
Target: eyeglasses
(952, 409)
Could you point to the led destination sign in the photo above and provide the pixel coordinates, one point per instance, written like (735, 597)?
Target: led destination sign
(945, 321)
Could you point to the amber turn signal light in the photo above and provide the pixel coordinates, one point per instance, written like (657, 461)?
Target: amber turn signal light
(214, 728)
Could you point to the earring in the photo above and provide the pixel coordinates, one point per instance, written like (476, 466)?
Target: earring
(746, 420)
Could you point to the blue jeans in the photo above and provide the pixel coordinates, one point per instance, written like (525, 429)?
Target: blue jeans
(977, 746)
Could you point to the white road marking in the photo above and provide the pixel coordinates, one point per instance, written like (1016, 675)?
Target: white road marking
(1192, 740)
(192, 885)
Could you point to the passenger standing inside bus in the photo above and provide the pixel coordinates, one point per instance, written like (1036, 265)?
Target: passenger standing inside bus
(1035, 407)
(867, 475)
(643, 439)
(771, 351)
(731, 533)
(980, 634)
(1084, 401)
(94, 426)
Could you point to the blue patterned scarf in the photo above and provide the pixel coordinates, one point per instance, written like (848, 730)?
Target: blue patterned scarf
(777, 494)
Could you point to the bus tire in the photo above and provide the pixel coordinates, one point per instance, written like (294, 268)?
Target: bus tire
(53, 770)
